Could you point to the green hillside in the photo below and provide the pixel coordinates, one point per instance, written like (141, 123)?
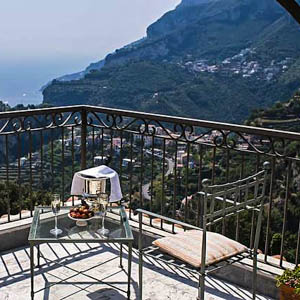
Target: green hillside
(281, 115)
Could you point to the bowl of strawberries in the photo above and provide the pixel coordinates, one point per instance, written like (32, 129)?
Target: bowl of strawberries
(81, 215)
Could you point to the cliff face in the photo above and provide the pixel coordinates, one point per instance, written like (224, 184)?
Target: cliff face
(195, 27)
(190, 12)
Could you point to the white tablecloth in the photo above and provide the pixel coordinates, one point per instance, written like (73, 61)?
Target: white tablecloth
(103, 171)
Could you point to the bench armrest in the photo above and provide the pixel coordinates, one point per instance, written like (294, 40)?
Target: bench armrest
(169, 220)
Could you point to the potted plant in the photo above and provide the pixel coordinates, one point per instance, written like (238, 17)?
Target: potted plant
(289, 284)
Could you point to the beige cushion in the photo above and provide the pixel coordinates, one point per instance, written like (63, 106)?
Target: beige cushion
(187, 246)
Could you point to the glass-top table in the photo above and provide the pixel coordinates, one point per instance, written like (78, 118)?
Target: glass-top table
(40, 228)
(43, 221)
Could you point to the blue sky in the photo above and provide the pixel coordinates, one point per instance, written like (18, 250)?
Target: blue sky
(85, 29)
(43, 39)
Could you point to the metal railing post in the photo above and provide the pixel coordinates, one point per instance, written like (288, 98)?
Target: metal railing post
(83, 138)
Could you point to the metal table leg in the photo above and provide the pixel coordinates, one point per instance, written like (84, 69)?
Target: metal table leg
(121, 255)
(129, 268)
(32, 269)
(38, 256)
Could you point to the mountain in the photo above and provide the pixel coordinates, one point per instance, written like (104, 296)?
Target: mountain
(210, 59)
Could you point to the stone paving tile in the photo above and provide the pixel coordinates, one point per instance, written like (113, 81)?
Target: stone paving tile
(159, 283)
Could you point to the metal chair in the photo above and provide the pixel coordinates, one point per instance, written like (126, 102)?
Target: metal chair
(219, 202)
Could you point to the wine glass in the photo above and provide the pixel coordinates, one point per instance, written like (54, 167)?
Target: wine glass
(103, 203)
(55, 205)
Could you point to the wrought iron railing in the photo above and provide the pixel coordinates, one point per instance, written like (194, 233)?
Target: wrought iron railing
(161, 161)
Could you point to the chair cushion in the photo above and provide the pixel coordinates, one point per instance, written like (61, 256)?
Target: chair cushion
(187, 246)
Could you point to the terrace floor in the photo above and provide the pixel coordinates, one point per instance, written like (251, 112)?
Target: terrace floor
(159, 283)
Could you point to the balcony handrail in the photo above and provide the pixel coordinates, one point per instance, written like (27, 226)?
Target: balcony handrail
(34, 132)
(158, 117)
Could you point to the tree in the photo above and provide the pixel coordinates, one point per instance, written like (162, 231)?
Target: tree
(292, 7)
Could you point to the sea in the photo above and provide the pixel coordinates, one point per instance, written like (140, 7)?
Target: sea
(21, 82)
